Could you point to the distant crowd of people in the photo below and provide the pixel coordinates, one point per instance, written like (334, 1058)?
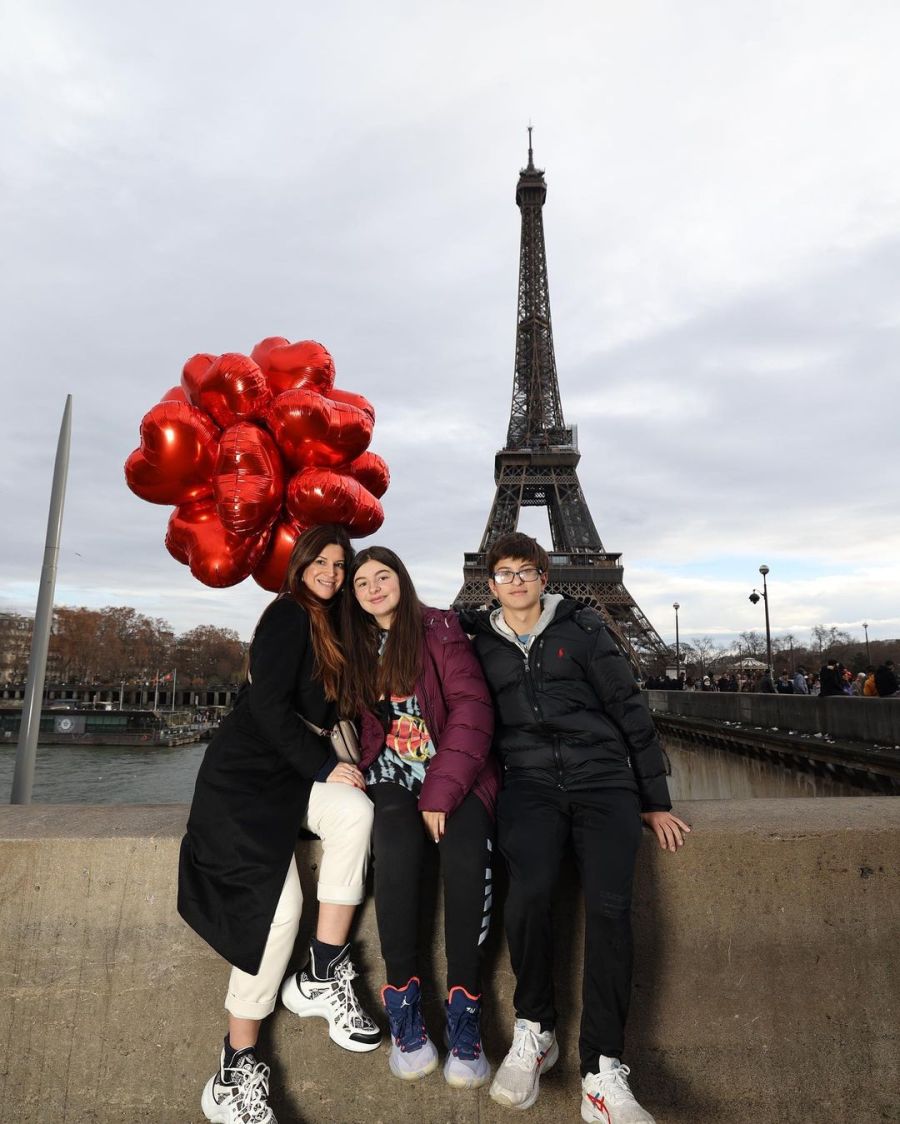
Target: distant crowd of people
(831, 679)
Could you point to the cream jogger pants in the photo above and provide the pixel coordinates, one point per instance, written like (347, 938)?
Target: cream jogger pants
(341, 816)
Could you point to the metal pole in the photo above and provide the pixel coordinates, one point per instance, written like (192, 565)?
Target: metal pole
(23, 778)
(764, 570)
(156, 692)
(868, 659)
(676, 607)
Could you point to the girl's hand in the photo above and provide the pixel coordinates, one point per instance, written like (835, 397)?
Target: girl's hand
(435, 824)
(667, 828)
(344, 773)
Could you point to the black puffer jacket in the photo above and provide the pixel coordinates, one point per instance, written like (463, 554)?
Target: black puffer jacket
(570, 713)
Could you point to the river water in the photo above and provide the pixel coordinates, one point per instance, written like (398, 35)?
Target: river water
(108, 774)
(130, 775)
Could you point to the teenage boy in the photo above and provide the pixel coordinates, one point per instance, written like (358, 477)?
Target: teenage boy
(582, 762)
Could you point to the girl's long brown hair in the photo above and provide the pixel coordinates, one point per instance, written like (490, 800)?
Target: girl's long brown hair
(328, 657)
(369, 677)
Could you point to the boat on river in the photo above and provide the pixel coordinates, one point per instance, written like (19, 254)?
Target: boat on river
(85, 726)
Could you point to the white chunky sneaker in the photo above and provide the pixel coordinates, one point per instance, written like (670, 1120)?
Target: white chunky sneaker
(334, 1000)
(239, 1095)
(531, 1054)
(605, 1096)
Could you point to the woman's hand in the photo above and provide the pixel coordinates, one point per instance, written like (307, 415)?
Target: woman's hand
(344, 773)
(435, 824)
(667, 828)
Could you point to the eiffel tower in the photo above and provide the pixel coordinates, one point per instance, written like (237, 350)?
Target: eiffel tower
(537, 468)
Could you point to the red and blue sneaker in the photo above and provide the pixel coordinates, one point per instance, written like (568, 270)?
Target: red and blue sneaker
(413, 1054)
(466, 1066)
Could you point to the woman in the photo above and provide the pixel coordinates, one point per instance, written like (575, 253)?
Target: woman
(426, 726)
(264, 776)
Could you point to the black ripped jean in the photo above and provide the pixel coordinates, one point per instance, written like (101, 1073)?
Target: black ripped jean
(534, 825)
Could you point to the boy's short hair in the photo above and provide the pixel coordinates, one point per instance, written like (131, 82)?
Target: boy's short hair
(517, 545)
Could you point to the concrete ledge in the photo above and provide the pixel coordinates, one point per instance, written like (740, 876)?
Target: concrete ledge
(874, 721)
(766, 978)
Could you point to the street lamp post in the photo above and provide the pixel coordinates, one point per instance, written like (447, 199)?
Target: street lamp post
(754, 597)
(868, 658)
(676, 607)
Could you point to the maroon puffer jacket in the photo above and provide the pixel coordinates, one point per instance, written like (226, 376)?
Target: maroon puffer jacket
(459, 715)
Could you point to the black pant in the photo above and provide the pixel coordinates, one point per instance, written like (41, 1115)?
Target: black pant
(465, 851)
(534, 825)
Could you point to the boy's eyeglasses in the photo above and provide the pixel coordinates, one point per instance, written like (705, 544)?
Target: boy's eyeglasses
(528, 574)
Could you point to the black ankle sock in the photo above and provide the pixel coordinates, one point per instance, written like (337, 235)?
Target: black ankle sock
(231, 1053)
(323, 957)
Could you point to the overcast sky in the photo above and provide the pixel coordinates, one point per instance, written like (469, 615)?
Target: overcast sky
(723, 237)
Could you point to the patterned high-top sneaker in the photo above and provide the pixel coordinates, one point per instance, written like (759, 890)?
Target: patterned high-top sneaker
(332, 998)
(240, 1093)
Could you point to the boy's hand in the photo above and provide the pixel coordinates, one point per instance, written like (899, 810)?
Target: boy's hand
(667, 828)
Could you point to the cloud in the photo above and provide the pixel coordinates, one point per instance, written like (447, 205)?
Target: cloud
(722, 230)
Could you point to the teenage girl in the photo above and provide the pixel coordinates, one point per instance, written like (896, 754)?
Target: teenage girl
(426, 727)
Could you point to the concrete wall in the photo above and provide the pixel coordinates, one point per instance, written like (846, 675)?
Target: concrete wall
(875, 721)
(766, 979)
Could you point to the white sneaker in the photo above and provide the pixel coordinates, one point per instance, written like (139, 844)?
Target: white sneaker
(239, 1095)
(531, 1054)
(334, 1000)
(605, 1096)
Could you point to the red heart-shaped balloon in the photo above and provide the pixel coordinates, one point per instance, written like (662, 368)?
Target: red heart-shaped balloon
(289, 366)
(217, 557)
(372, 472)
(248, 480)
(192, 374)
(234, 389)
(176, 455)
(174, 394)
(367, 518)
(260, 353)
(357, 400)
(312, 430)
(271, 571)
(318, 495)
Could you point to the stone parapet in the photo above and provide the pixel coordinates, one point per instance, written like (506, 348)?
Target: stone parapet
(766, 980)
(872, 721)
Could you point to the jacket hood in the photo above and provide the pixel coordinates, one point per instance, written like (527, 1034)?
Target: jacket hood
(549, 605)
(474, 621)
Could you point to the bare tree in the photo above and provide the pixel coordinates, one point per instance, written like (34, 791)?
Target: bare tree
(707, 652)
(208, 654)
(753, 644)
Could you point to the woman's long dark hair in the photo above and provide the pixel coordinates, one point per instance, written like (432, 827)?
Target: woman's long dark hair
(369, 677)
(329, 660)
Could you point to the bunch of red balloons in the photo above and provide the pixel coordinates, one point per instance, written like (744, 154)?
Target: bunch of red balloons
(252, 450)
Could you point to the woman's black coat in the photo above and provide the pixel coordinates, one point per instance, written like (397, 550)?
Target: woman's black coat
(252, 791)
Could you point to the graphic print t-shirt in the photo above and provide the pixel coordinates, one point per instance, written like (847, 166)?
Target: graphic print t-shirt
(407, 747)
